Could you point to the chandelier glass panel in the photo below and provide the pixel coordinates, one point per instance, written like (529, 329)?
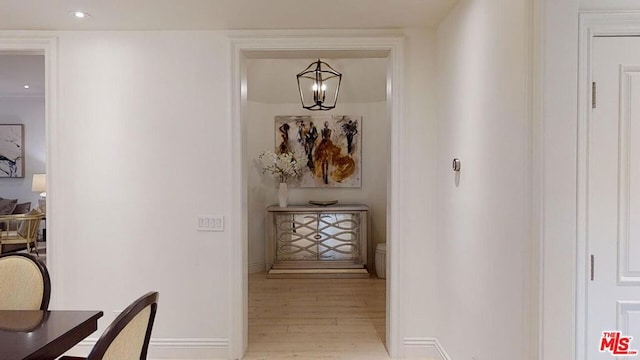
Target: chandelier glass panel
(319, 85)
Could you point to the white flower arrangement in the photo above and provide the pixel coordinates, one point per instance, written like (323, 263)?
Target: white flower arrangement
(283, 166)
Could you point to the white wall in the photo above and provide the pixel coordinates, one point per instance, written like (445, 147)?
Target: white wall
(142, 149)
(483, 220)
(262, 189)
(30, 112)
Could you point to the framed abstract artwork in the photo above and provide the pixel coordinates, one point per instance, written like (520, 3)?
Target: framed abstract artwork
(11, 151)
(332, 146)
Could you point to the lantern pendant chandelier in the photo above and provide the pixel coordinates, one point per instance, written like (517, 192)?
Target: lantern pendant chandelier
(319, 85)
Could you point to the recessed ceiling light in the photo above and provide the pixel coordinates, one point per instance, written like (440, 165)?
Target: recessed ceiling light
(80, 14)
(26, 86)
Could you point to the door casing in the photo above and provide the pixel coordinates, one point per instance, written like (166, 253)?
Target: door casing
(592, 24)
(274, 42)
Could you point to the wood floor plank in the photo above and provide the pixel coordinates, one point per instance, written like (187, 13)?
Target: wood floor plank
(270, 329)
(295, 321)
(336, 329)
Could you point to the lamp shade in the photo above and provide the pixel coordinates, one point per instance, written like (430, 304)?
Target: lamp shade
(39, 183)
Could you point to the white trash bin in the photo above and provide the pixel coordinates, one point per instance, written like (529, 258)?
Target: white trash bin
(381, 260)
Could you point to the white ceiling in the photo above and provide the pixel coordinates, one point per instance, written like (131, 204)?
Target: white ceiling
(221, 14)
(16, 71)
(273, 81)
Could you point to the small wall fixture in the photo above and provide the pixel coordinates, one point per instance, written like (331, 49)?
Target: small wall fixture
(456, 164)
(319, 85)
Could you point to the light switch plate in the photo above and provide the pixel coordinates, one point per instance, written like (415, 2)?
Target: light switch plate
(210, 223)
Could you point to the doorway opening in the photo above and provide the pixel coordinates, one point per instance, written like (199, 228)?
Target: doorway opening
(22, 139)
(39, 142)
(284, 313)
(246, 50)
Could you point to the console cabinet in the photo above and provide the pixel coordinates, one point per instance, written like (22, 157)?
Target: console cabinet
(309, 238)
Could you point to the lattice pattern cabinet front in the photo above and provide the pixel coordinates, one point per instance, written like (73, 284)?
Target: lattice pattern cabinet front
(312, 241)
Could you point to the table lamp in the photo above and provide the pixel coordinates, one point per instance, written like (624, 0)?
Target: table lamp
(39, 184)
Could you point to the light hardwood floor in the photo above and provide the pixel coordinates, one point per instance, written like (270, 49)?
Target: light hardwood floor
(316, 318)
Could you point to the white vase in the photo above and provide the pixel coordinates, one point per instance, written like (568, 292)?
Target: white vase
(283, 195)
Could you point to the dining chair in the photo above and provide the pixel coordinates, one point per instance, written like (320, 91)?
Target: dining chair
(24, 283)
(127, 338)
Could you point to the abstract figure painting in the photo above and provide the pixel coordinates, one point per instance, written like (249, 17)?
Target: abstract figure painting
(11, 151)
(331, 145)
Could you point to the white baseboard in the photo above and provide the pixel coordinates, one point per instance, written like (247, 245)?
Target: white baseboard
(257, 267)
(183, 349)
(422, 347)
(212, 348)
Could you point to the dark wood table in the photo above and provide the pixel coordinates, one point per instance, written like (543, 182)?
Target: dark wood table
(31, 335)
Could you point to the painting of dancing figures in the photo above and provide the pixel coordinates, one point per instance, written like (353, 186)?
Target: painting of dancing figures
(11, 151)
(331, 145)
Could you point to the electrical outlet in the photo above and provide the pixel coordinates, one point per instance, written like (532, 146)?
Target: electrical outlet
(210, 223)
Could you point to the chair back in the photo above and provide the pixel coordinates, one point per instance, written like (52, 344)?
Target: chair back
(24, 283)
(29, 227)
(127, 338)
